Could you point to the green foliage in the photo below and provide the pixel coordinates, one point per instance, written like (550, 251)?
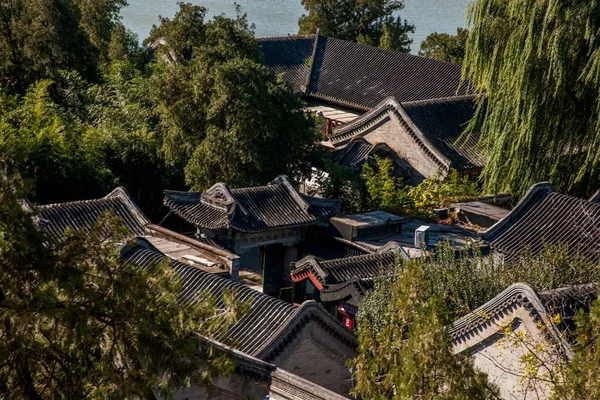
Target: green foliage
(445, 47)
(38, 38)
(225, 116)
(411, 356)
(79, 323)
(51, 150)
(579, 381)
(369, 22)
(342, 183)
(435, 192)
(386, 192)
(466, 279)
(537, 65)
(383, 189)
(426, 294)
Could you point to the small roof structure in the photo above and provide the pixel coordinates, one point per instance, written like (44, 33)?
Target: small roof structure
(544, 217)
(379, 232)
(332, 112)
(55, 219)
(269, 324)
(479, 213)
(275, 206)
(436, 126)
(357, 76)
(347, 278)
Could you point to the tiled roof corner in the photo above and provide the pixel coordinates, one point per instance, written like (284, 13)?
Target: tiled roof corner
(535, 194)
(352, 291)
(54, 219)
(307, 311)
(503, 304)
(595, 198)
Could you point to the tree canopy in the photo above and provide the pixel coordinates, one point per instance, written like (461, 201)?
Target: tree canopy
(410, 355)
(372, 22)
(199, 108)
(225, 116)
(445, 47)
(40, 37)
(536, 64)
(78, 322)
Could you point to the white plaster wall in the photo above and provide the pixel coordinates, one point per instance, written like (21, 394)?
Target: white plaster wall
(500, 358)
(319, 357)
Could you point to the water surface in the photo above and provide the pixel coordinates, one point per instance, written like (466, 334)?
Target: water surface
(279, 18)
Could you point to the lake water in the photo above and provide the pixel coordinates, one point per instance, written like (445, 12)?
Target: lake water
(279, 18)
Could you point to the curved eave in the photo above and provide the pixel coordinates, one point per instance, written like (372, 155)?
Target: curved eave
(345, 133)
(535, 194)
(518, 293)
(307, 311)
(346, 291)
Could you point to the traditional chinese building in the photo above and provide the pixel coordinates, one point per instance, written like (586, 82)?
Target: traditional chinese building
(272, 337)
(544, 217)
(425, 136)
(271, 219)
(352, 77)
(501, 334)
(342, 283)
(55, 219)
(410, 109)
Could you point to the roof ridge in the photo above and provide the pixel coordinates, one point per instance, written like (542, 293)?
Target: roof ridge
(119, 193)
(531, 197)
(585, 286)
(288, 37)
(284, 181)
(312, 62)
(388, 51)
(440, 99)
(519, 292)
(328, 264)
(309, 309)
(113, 194)
(382, 50)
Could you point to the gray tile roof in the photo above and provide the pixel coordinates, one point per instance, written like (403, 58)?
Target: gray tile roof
(257, 209)
(332, 272)
(566, 302)
(268, 322)
(54, 219)
(435, 125)
(442, 122)
(352, 291)
(544, 217)
(358, 76)
(542, 307)
(290, 56)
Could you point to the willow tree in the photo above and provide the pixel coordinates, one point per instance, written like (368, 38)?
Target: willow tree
(537, 63)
